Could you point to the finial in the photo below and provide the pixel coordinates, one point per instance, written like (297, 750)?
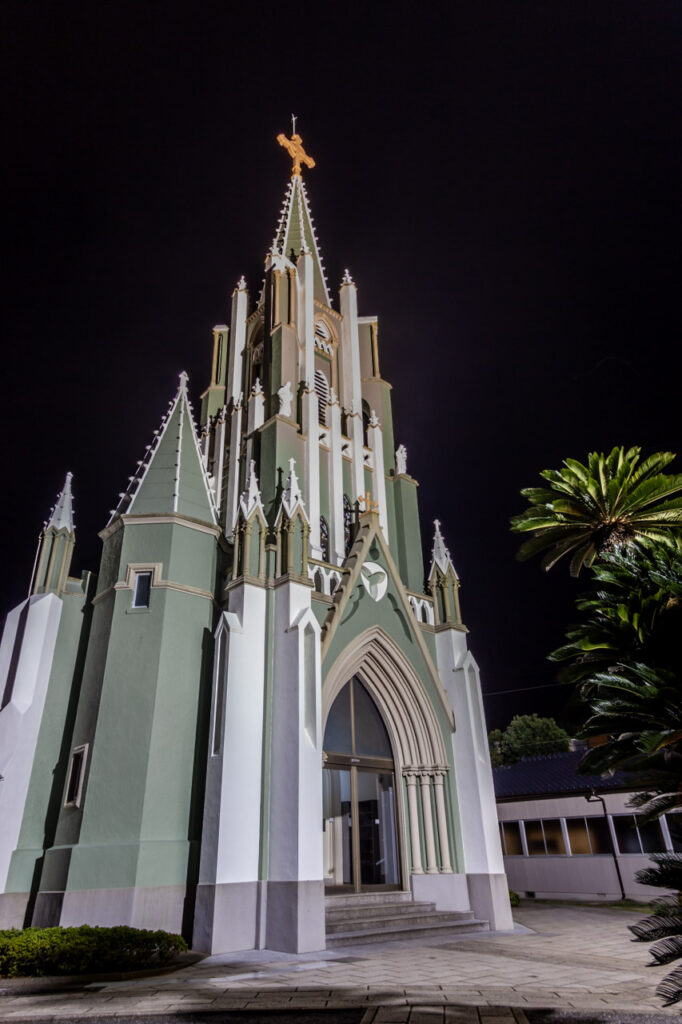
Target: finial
(241, 284)
(294, 147)
(401, 460)
(291, 496)
(184, 379)
(347, 279)
(257, 389)
(440, 555)
(374, 419)
(250, 498)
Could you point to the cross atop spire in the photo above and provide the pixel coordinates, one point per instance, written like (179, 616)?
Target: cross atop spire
(294, 147)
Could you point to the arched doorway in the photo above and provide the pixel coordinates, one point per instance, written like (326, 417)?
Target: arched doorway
(359, 803)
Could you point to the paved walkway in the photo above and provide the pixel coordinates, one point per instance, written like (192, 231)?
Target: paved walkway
(564, 957)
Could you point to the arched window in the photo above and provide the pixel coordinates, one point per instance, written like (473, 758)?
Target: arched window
(324, 539)
(322, 389)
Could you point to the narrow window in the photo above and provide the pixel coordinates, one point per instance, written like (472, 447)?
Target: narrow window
(322, 389)
(535, 838)
(347, 524)
(324, 539)
(74, 785)
(142, 590)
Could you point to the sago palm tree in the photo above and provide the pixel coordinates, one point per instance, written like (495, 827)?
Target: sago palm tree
(613, 501)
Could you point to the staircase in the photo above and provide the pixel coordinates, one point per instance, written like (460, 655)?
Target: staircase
(357, 919)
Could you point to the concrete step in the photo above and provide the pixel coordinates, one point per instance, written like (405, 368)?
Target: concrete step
(373, 910)
(416, 921)
(405, 931)
(367, 899)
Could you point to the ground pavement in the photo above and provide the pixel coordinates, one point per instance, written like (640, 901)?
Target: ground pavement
(568, 957)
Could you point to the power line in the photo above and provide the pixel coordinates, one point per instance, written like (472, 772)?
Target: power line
(522, 689)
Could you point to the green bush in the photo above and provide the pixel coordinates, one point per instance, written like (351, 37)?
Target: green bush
(85, 950)
(514, 898)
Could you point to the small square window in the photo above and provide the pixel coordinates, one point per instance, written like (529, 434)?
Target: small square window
(74, 785)
(142, 589)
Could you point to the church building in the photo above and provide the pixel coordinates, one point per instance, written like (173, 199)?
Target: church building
(259, 724)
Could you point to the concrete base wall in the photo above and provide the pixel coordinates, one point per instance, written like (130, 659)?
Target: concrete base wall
(227, 917)
(157, 907)
(489, 895)
(448, 892)
(295, 917)
(13, 909)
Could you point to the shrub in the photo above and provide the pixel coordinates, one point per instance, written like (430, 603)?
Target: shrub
(85, 950)
(514, 898)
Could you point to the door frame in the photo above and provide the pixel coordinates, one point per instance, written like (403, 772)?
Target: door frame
(354, 763)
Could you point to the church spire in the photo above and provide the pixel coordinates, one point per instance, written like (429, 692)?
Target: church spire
(171, 478)
(61, 516)
(295, 231)
(55, 546)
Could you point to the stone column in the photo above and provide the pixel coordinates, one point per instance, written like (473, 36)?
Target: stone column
(444, 846)
(431, 862)
(411, 780)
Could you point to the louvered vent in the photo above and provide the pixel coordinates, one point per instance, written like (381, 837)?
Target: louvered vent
(322, 388)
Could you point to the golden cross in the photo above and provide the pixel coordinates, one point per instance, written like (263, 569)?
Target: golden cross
(370, 506)
(294, 147)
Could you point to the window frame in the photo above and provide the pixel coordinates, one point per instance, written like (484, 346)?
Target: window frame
(81, 750)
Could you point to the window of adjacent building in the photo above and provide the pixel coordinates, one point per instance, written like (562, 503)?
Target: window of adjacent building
(544, 837)
(578, 839)
(600, 836)
(636, 836)
(74, 785)
(511, 838)
(674, 822)
(142, 589)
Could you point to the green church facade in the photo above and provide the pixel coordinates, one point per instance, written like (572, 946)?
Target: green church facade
(265, 702)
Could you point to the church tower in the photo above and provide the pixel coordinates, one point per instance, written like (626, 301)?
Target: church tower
(273, 706)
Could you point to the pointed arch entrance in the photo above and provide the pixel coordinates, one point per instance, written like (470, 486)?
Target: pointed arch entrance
(359, 799)
(425, 843)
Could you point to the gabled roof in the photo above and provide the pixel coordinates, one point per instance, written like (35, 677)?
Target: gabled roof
(171, 478)
(296, 232)
(553, 775)
(370, 531)
(61, 516)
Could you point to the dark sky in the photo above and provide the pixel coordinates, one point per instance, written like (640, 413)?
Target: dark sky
(501, 178)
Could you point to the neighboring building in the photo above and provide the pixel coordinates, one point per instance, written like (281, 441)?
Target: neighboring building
(259, 702)
(562, 842)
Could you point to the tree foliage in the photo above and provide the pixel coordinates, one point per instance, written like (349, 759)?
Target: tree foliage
(621, 519)
(526, 736)
(590, 509)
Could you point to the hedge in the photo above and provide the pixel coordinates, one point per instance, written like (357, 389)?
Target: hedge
(85, 950)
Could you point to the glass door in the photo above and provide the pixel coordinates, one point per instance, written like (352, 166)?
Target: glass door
(360, 828)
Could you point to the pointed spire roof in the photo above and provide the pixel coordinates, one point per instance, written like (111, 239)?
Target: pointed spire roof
(250, 499)
(296, 231)
(440, 555)
(171, 479)
(61, 516)
(291, 496)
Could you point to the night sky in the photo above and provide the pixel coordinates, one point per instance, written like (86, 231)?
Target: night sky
(501, 179)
